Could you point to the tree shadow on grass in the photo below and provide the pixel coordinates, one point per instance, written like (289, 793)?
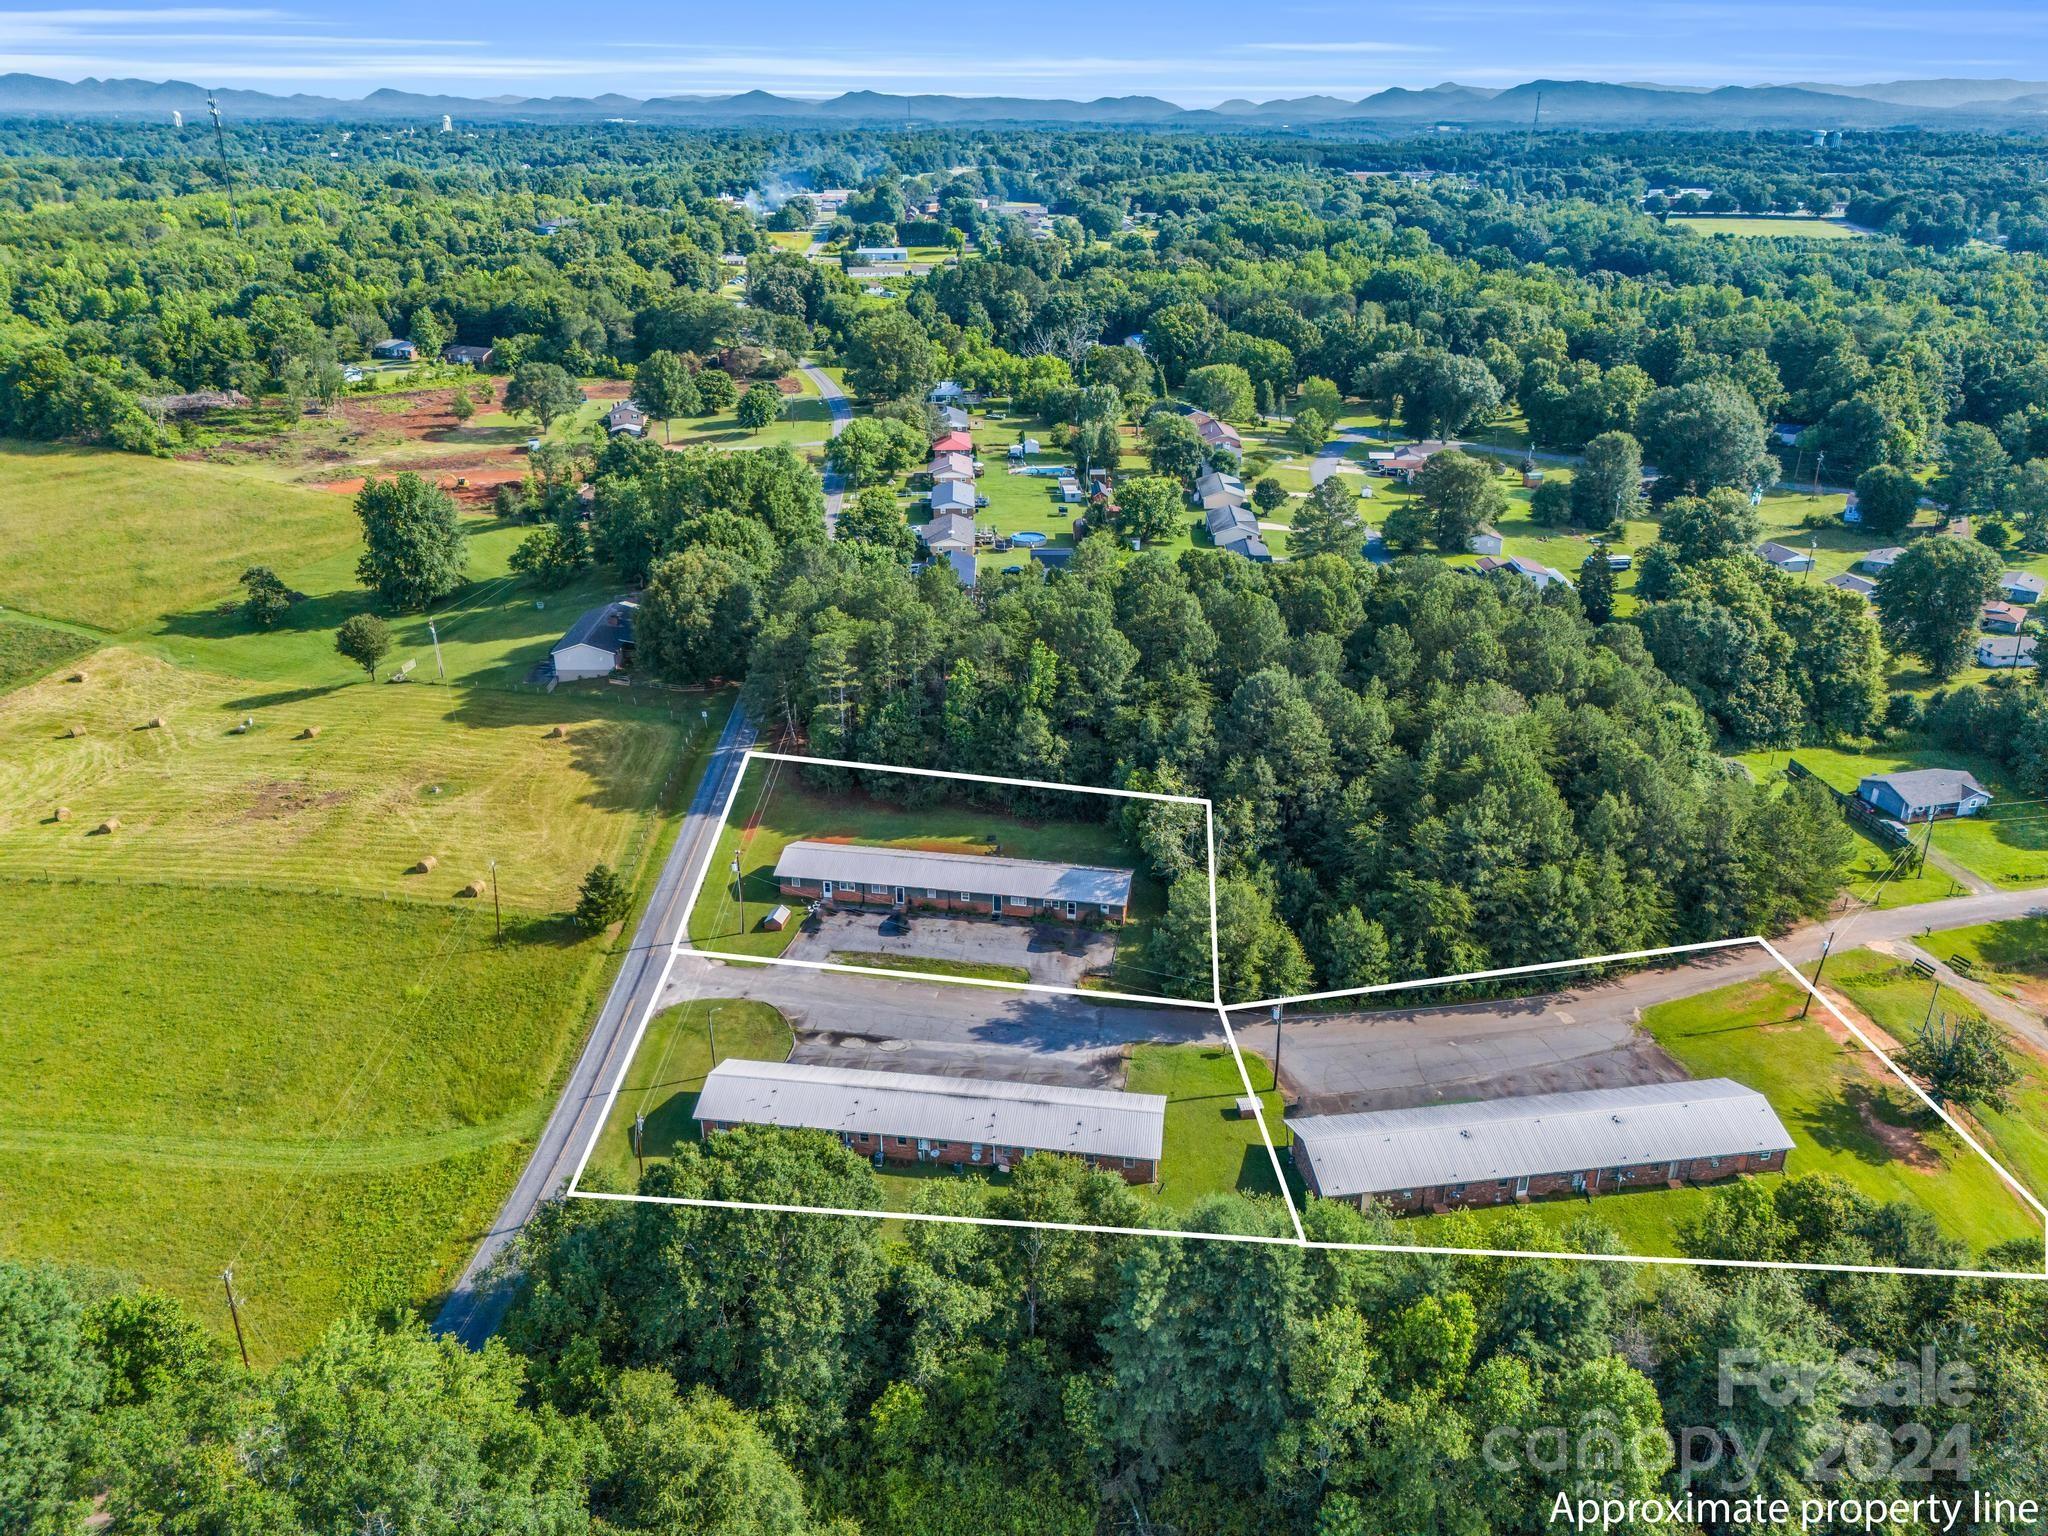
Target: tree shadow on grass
(2020, 945)
(255, 701)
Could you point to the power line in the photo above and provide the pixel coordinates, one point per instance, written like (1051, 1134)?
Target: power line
(227, 175)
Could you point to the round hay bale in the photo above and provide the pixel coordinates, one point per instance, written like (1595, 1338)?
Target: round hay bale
(310, 733)
(156, 722)
(474, 889)
(108, 827)
(62, 813)
(424, 867)
(557, 734)
(73, 732)
(76, 677)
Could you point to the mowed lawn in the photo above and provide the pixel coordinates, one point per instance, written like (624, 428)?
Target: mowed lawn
(113, 539)
(2006, 845)
(328, 1092)
(28, 650)
(1846, 1113)
(667, 1070)
(775, 808)
(1209, 1150)
(395, 775)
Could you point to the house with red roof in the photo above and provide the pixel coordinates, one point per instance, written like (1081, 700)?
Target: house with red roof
(954, 442)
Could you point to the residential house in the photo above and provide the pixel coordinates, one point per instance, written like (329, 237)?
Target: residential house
(1214, 433)
(860, 875)
(954, 442)
(1406, 463)
(352, 373)
(1236, 528)
(1620, 562)
(1487, 541)
(1054, 558)
(2002, 618)
(1533, 571)
(948, 532)
(917, 1117)
(1787, 432)
(1848, 581)
(962, 562)
(394, 350)
(1923, 794)
(2007, 651)
(1784, 557)
(2021, 586)
(1213, 491)
(1879, 560)
(467, 356)
(1135, 341)
(626, 419)
(952, 496)
(598, 644)
(946, 392)
(951, 466)
(1593, 1141)
(956, 420)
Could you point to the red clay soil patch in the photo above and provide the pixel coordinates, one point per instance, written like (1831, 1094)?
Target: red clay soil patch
(608, 389)
(1900, 1141)
(790, 385)
(474, 496)
(413, 414)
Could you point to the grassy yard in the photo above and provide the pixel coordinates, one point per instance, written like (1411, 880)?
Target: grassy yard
(775, 807)
(113, 539)
(1847, 1115)
(878, 960)
(2010, 957)
(1208, 1149)
(335, 1109)
(1896, 998)
(28, 650)
(2006, 848)
(668, 1069)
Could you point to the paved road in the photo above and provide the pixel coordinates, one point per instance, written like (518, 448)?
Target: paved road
(475, 1306)
(842, 412)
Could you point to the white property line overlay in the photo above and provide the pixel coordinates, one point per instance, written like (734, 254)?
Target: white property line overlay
(1300, 1239)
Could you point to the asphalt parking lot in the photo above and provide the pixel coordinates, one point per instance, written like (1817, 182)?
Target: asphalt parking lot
(1054, 955)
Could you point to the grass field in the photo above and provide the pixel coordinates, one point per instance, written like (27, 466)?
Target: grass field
(2009, 957)
(2004, 847)
(335, 1109)
(668, 1069)
(237, 1029)
(1208, 1149)
(1778, 226)
(29, 650)
(877, 960)
(113, 539)
(775, 808)
(1847, 1115)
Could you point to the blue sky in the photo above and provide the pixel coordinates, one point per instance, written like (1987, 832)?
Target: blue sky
(1195, 52)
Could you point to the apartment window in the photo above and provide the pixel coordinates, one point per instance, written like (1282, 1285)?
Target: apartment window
(1130, 1162)
(931, 895)
(967, 895)
(902, 1141)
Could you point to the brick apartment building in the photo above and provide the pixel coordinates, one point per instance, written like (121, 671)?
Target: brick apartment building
(1443, 1156)
(913, 1117)
(854, 875)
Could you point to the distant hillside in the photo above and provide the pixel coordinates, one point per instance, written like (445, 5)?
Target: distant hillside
(1564, 103)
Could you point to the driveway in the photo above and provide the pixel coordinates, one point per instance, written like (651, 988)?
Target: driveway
(880, 1024)
(1051, 955)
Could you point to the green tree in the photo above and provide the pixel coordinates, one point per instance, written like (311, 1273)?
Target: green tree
(1974, 470)
(716, 391)
(1174, 447)
(1323, 397)
(889, 357)
(1309, 430)
(1963, 1060)
(1329, 522)
(265, 599)
(365, 640)
(1888, 499)
(1462, 494)
(603, 900)
(1550, 504)
(1706, 434)
(2027, 501)
(1929, 599)
(1223, 390)
(1148, 508)
(698, 615)
(1606, 485)
(869, 449)
(760, 405)
(1596, 585)
(875, 518)
(1441, 393)
(1699, 529)
(461, 407)
(49, 1386)
(1268, 494)
(663, 388)
(543, 391)
(416, 550)
(687, 1466)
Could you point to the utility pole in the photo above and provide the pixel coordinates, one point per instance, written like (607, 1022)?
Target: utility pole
(1819, 459)
(1931, 1001)
(227, 1283)
(739, 887)
(1535, 121)
(497, 912)
(1927, 842)
(220, 142)
(640, 1145)
(1826, 944)
(440, 672)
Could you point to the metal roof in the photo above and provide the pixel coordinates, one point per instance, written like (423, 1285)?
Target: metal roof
(607, 627)
(1929, 786)
(1038, 1116)
(1545, 1133)
(983, 873)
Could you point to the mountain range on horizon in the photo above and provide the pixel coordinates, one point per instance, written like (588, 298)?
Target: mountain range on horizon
(1556, 103)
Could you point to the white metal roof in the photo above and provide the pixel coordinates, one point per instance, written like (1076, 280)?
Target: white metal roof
(1038, 1116)
(1034, 879)
(1544, 1133)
